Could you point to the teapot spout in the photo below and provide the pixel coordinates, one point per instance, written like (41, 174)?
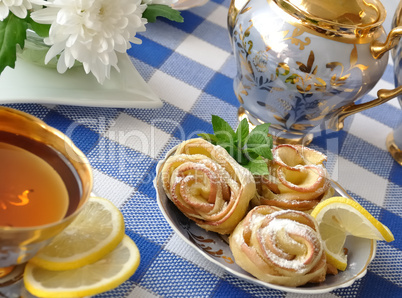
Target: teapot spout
(378, 49)
(234, 9)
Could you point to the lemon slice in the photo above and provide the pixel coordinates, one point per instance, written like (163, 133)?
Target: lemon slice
(103, 275)
(339, 217)
(95, 232)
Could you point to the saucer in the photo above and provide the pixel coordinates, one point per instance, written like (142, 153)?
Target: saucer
(30, 83)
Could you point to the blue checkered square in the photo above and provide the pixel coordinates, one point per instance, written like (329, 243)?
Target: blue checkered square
(396, 174)
(214, 34)
(386, 114)
(382, 288)
(162, 33)
(209, 104)
(253, 290)
(145, 70)
(221, 86)
(140, 213)
(84, 138)
(196, 74)
(190, 127)
(205, 10)
(167, 118)
(123, 163)
(352, 150)
(191, 21)
(146, 52)
(225, 289)
(392, 222)
(97, 119)
(189, 279)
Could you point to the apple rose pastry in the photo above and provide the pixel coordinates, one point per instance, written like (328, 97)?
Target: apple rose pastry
(208, 185)
(298, 179)
(279, 246)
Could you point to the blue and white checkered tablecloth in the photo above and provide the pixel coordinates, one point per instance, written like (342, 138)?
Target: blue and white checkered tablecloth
(191, 67)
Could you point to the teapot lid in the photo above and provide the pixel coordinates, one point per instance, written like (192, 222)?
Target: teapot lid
(353, 20)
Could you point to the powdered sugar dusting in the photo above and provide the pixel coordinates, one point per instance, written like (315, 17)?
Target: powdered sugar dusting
(278, 227)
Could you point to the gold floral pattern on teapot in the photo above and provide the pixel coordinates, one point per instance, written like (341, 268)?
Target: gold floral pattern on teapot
(394, 138)
(297, 70)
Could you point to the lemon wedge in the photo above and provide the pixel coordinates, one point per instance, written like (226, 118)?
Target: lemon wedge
(103, 275)
(339, 217)
(95, 232)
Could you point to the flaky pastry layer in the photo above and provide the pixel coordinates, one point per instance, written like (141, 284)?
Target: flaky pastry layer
(279, 246)
(208, 185)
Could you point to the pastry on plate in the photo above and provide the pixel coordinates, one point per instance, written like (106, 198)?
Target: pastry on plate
(278, 246)
(208, 185)
(298, 179)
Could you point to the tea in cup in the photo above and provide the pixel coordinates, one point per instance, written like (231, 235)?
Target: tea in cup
(44, 182)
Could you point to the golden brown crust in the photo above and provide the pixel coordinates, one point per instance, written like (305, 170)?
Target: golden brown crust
(279, 246)
(297, 180)
(208, 185)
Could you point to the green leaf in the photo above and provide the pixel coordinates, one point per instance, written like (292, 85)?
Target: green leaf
(262, 127)
(224, 138)
(12, 33)
(41, 29)
(242, 132)
(249, 154)
(230, 148)
(259, 134)
(236, 153)
(223, 130)
(263, 150)
(242, 158)
(257, 166)
(248, 148)
(219, 124)
(209, 137)
(158, 10)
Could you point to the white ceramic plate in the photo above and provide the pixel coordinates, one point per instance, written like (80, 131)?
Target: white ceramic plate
(215, 248)
(36, 84)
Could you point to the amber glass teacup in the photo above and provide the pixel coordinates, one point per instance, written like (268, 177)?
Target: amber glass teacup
(44, 182)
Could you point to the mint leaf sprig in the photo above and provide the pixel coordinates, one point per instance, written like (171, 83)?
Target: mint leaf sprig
(249, 149)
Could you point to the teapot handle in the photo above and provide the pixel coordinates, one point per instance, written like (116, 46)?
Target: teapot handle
(383, 95)
(378, 49)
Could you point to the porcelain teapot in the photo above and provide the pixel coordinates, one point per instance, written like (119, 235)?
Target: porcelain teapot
(302, 64)
(394, 138)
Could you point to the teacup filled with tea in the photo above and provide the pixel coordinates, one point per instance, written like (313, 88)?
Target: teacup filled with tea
(44, 182)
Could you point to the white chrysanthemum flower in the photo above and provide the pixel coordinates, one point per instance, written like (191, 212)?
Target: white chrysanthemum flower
(17, 7)
(90, 31)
